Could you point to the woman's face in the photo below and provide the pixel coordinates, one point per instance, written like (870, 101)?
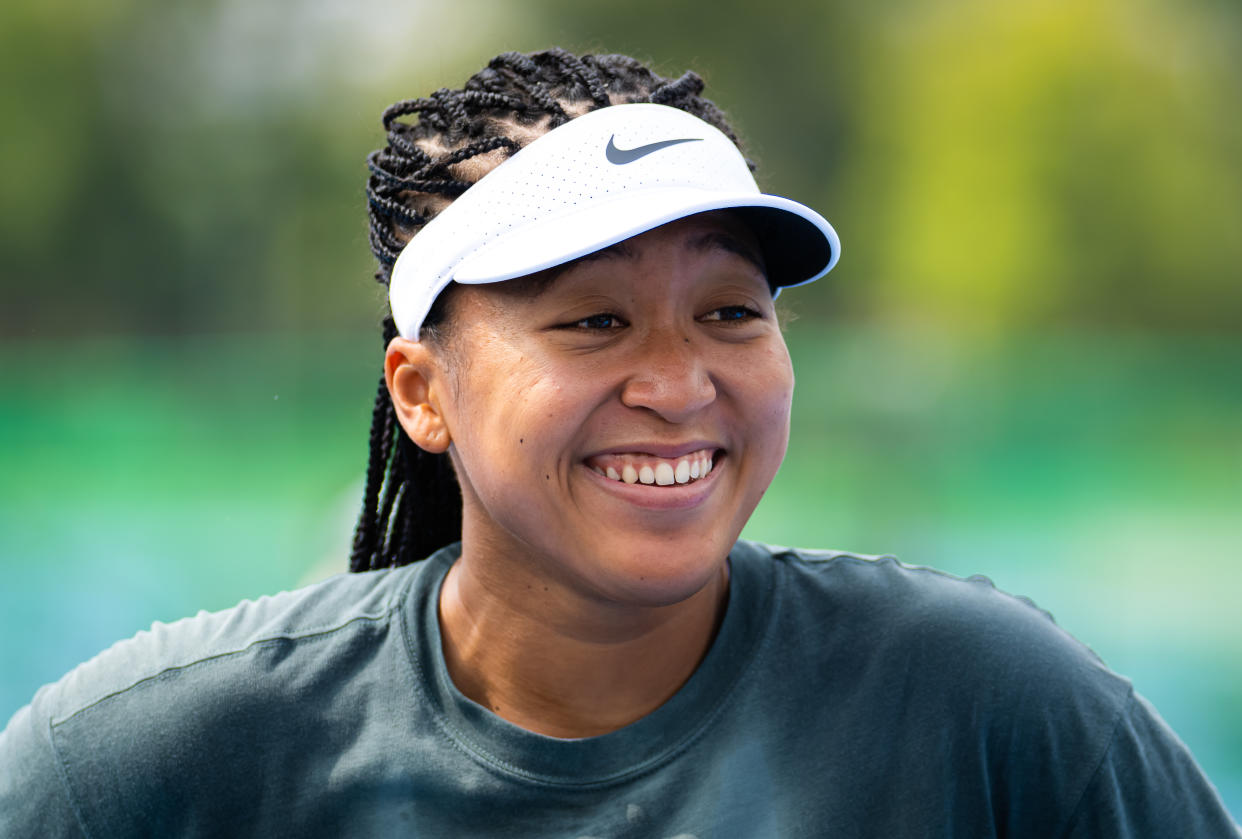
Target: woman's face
(583, 414)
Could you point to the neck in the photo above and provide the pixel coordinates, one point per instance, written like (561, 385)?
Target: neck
(558, 662)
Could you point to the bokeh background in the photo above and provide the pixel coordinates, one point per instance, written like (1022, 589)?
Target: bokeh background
(1028, 363)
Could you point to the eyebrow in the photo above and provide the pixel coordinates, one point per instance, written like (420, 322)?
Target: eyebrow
(718, 239)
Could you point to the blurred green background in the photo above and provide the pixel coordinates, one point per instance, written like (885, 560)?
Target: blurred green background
(1028, 363)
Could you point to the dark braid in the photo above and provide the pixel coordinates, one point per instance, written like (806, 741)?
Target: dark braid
(480, 147)
(412, 502)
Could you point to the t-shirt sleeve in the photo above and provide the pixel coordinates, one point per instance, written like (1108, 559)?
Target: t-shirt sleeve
(1147, 784)
(33, 798)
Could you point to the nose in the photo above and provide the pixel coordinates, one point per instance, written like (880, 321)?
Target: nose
(670, 376)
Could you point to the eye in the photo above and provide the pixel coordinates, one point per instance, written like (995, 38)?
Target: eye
(598, 323)
(732, 314)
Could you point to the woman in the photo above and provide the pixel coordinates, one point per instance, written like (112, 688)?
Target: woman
(585, 394)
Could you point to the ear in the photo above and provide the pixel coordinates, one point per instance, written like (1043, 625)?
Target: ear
(415, 376)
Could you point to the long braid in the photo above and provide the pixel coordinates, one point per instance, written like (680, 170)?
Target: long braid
(367, 537)
(411, 502)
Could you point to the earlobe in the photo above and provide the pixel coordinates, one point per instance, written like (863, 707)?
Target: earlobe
(412, 375)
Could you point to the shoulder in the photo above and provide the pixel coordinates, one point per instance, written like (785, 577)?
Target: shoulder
(961, 639)
(882, 590)
(941, 670)
(173, 725)
(323, 614)
(913, 670)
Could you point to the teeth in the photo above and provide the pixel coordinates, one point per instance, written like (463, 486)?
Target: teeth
(651, 470)
(664, 474)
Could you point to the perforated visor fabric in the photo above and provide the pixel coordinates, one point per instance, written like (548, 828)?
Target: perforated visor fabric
(594, 181)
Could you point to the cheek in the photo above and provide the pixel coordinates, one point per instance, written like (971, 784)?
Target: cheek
(514, 421)
(771, 392)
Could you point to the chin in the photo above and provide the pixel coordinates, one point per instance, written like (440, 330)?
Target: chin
(667, 572)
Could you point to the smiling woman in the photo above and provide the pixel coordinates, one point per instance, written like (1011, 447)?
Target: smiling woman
(611, 435)
(554, 628)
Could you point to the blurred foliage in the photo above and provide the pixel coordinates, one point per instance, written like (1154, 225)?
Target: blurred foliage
(990, 165)
(1084, 156)
(198, 166)
(194, 167)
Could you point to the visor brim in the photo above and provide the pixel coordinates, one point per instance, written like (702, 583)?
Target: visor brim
(799, 245)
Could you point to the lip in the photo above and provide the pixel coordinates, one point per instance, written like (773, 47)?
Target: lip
(653, 497)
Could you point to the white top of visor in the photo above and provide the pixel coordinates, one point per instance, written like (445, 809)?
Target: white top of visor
(592, 182)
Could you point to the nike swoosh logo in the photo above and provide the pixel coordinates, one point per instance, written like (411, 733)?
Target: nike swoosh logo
(624, 156)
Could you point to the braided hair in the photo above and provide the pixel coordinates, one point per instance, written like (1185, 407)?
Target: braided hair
(412, 502)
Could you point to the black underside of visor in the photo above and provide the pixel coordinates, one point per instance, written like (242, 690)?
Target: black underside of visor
(794, 249)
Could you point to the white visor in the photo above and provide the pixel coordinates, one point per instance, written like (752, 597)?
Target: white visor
(592, 182)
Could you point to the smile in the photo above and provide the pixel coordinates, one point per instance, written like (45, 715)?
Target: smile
(652, 470)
